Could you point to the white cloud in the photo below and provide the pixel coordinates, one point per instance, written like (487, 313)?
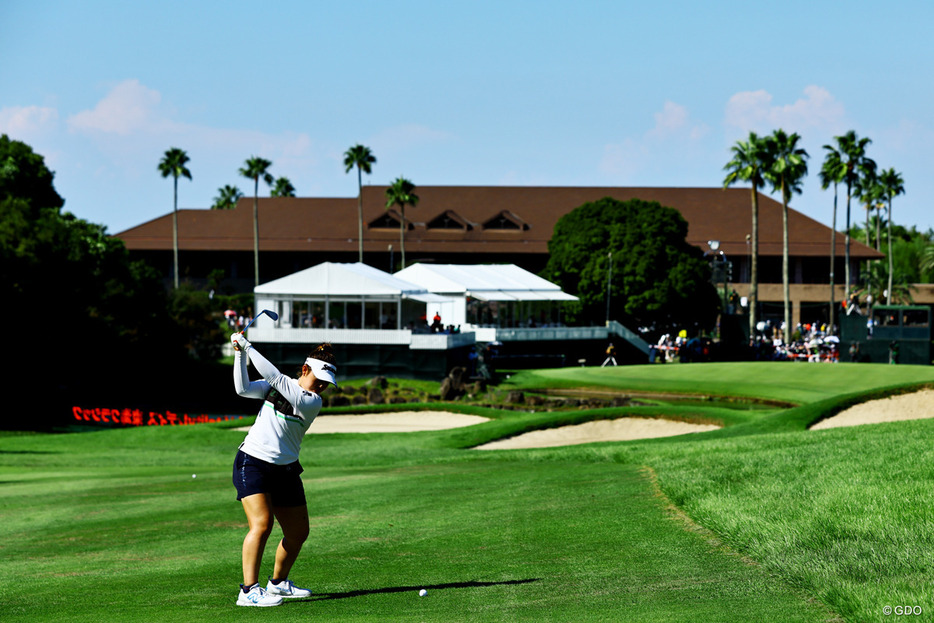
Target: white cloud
(672, 118)
(132, 126)
(128, 108)
(672, 136)
(21, 122)
(754, 111)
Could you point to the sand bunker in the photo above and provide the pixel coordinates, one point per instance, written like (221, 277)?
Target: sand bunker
(622, 429)
(914, 406)
(394, 422)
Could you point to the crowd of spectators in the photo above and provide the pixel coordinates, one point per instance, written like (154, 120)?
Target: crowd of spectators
(809, 342)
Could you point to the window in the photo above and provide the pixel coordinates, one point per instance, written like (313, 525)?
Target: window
(915, 318)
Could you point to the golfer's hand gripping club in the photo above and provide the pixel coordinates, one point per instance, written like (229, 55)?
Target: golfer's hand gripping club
(239, 341)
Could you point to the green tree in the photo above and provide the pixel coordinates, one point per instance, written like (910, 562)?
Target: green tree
(853, 157)
(832, 172)
(747, 165)
(926, 261)
(361, 157)
(282, 187)
(123, 331)
(173, 164)
(787, 167)
(657, 277)
(227, 197)
(71, 277)
(870, 195)
(255, 169)
(892, 185)
(401, 193)
(23, 174)
(875, 276)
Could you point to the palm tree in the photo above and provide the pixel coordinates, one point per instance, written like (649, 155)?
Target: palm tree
(853, 158)
(786, 172)
(832, 172)
(282, 187)
(401, 193)
(747, 166)
(227, 197)
(892, 185)
(880, 215)
(869, 192)
(875, 276)
(173, 163)
(926, 261)
(255, 169)
(362, 158)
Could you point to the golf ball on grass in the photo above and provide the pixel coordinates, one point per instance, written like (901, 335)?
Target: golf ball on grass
(422, 593)
(194, 475)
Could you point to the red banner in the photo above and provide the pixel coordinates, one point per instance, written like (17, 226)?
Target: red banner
(137, 417)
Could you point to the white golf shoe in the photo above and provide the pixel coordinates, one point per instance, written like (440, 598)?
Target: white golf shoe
(286, 588)
(257, 596)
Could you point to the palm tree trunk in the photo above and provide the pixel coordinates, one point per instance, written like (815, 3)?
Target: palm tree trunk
(754, 266)
(785, 275)
(402, 234)
(833, 254)
(360, 212)
(175, 234)
(888, 292)
(256, 231)
(879, 228)
(846, 249)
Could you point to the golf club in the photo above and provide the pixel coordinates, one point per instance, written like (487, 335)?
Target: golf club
(268, 312)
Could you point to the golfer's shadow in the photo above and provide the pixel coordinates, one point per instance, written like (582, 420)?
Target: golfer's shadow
(405, 589)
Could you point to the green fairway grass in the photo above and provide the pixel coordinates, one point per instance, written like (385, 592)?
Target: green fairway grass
(781, 380)
(761, 521)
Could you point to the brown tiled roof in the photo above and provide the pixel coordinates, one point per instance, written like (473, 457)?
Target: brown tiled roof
(330, 224)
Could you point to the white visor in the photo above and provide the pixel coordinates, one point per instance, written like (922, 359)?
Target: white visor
(322, 370)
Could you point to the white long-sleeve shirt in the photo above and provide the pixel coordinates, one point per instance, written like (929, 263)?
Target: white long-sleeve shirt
(287, 411)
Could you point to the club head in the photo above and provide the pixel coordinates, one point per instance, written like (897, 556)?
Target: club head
(268, 312)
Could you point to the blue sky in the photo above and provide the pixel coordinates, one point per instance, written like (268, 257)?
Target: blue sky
(581, 93)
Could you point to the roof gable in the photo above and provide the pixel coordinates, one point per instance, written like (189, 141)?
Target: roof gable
(390, 219)
(505, 220)
(449, 219)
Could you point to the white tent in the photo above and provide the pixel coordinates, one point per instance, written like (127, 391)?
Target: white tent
(341, 279)
(497, 283)
(340, 296)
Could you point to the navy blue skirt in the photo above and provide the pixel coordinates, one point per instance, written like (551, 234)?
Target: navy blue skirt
(283, 483)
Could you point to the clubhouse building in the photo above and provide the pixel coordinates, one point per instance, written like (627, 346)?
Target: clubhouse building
(489, 224)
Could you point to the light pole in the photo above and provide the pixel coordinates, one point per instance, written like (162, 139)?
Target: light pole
(720, 267)
(390, 259)
(609, 272)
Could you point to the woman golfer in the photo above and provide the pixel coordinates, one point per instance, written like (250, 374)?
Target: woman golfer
(267, 472)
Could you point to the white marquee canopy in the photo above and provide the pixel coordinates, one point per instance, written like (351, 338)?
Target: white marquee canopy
(353, 280)
(484, 282)
(356, 296)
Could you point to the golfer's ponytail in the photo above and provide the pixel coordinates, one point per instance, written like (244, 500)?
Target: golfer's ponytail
(324, 352)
